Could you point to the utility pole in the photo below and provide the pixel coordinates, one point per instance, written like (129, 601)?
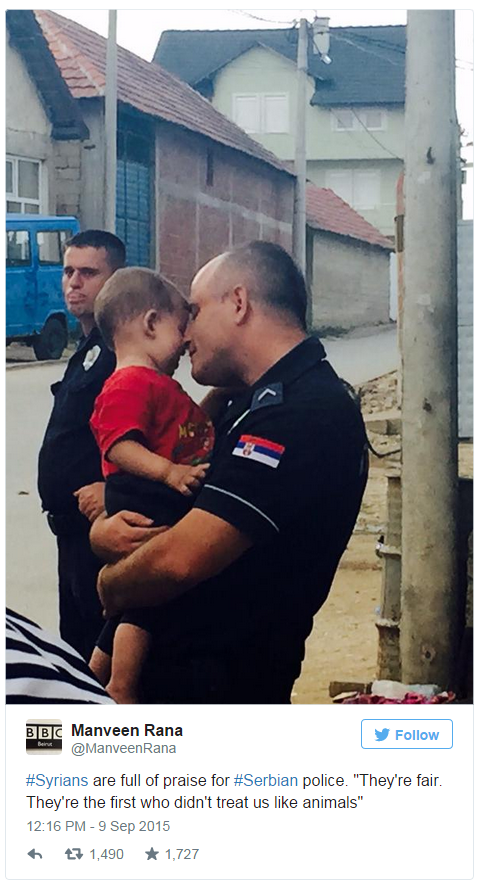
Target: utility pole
(429, 594)
(110, 124)
(299, 221)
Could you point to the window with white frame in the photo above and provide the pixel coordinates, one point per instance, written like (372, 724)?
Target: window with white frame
(354, 119)
(23, 184)
(262, 112)
(342, 119)
(361, 189)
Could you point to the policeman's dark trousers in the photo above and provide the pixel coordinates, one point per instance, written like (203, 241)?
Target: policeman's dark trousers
(80, 610)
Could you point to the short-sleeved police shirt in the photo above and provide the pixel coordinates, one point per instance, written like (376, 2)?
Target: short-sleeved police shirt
(288, 470)
(69, 457)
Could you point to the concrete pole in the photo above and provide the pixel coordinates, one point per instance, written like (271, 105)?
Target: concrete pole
(110, 124)
(429, 595)
(299, 220)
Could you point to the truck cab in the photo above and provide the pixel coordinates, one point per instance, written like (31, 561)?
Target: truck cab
(35, 309)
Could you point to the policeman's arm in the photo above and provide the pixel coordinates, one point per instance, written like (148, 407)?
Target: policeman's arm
(200, 546)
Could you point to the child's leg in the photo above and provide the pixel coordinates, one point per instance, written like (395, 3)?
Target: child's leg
(100, 661)
(100, 665)
(130, 648)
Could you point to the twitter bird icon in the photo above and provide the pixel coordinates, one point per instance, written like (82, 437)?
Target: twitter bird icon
(381, 735)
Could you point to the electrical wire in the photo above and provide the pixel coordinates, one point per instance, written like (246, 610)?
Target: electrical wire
(378, 142)
(396, 156)
(383, 58)
(259, 18)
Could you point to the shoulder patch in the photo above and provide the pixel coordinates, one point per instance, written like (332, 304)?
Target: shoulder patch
(91, 356)
(268, 396)
(259, 450)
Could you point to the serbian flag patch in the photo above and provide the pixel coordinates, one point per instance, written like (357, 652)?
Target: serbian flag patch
(259, 449)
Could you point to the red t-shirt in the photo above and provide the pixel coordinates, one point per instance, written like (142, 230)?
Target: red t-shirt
(140, 399)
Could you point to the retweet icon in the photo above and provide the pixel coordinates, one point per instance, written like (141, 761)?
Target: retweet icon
(381, 735)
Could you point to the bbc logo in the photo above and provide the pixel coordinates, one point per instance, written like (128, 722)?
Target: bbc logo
(43, 737)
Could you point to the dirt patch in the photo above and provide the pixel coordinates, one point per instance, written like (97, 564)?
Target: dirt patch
(343, 643)
(379, 394)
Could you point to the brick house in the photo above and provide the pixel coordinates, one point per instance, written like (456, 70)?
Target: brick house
(355, 102)
(348, 264)
(190, 182)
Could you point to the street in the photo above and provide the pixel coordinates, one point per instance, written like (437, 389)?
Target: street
(31, 579)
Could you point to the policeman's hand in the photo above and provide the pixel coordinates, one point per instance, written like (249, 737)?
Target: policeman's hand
(186, 479)
(91, 499)
(113, 538)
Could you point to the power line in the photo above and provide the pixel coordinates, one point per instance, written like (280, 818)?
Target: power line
(374, 137)
(383, 57)
(259, 18)
(351, 135)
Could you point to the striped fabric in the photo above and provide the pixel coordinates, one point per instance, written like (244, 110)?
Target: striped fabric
(41, 668)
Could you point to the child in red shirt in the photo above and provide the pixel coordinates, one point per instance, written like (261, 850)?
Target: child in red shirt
(154, 440)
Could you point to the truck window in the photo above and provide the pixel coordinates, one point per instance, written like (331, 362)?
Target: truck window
(50, 246)
(18, 249)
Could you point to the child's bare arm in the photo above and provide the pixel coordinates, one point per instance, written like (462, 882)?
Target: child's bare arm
(132, 457)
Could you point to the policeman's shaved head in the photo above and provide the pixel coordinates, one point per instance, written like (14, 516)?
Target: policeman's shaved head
(270, 274)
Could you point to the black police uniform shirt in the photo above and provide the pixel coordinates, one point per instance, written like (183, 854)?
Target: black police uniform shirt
(69, 457)
(288, 470)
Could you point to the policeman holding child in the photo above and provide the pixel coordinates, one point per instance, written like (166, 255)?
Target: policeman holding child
(237, 581)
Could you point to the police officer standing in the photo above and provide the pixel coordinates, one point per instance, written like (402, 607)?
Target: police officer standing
(238, 580)
(69, 469)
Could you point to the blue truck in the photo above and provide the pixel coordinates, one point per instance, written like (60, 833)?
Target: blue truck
(35, 310)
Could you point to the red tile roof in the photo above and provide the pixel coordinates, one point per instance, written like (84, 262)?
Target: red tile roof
(328, 212)
(81, 57)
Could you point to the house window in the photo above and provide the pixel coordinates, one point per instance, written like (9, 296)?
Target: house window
(342, 184)
(210, 168)
(373, 118)
(342, 119)
(361, 189)
(247, 113)
(352, 120)
(262, 112)
(275, 113)
(23, 184)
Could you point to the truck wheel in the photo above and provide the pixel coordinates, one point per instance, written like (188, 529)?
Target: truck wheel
(51, 342)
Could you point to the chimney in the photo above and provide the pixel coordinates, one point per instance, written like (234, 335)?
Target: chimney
(321, 38)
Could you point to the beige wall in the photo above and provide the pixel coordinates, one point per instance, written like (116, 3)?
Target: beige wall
(28, 134)
(24, 111)
(350, 283)
(27, 126)
(262, 70)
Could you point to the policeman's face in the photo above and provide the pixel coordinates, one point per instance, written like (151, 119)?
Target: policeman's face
(85, 270)
(210, 335)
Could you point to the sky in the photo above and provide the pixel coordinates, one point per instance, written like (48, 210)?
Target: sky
(139, 31)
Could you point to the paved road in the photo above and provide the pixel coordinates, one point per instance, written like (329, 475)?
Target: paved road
(31, 550)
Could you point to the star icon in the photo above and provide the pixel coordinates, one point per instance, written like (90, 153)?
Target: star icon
(151, 855)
